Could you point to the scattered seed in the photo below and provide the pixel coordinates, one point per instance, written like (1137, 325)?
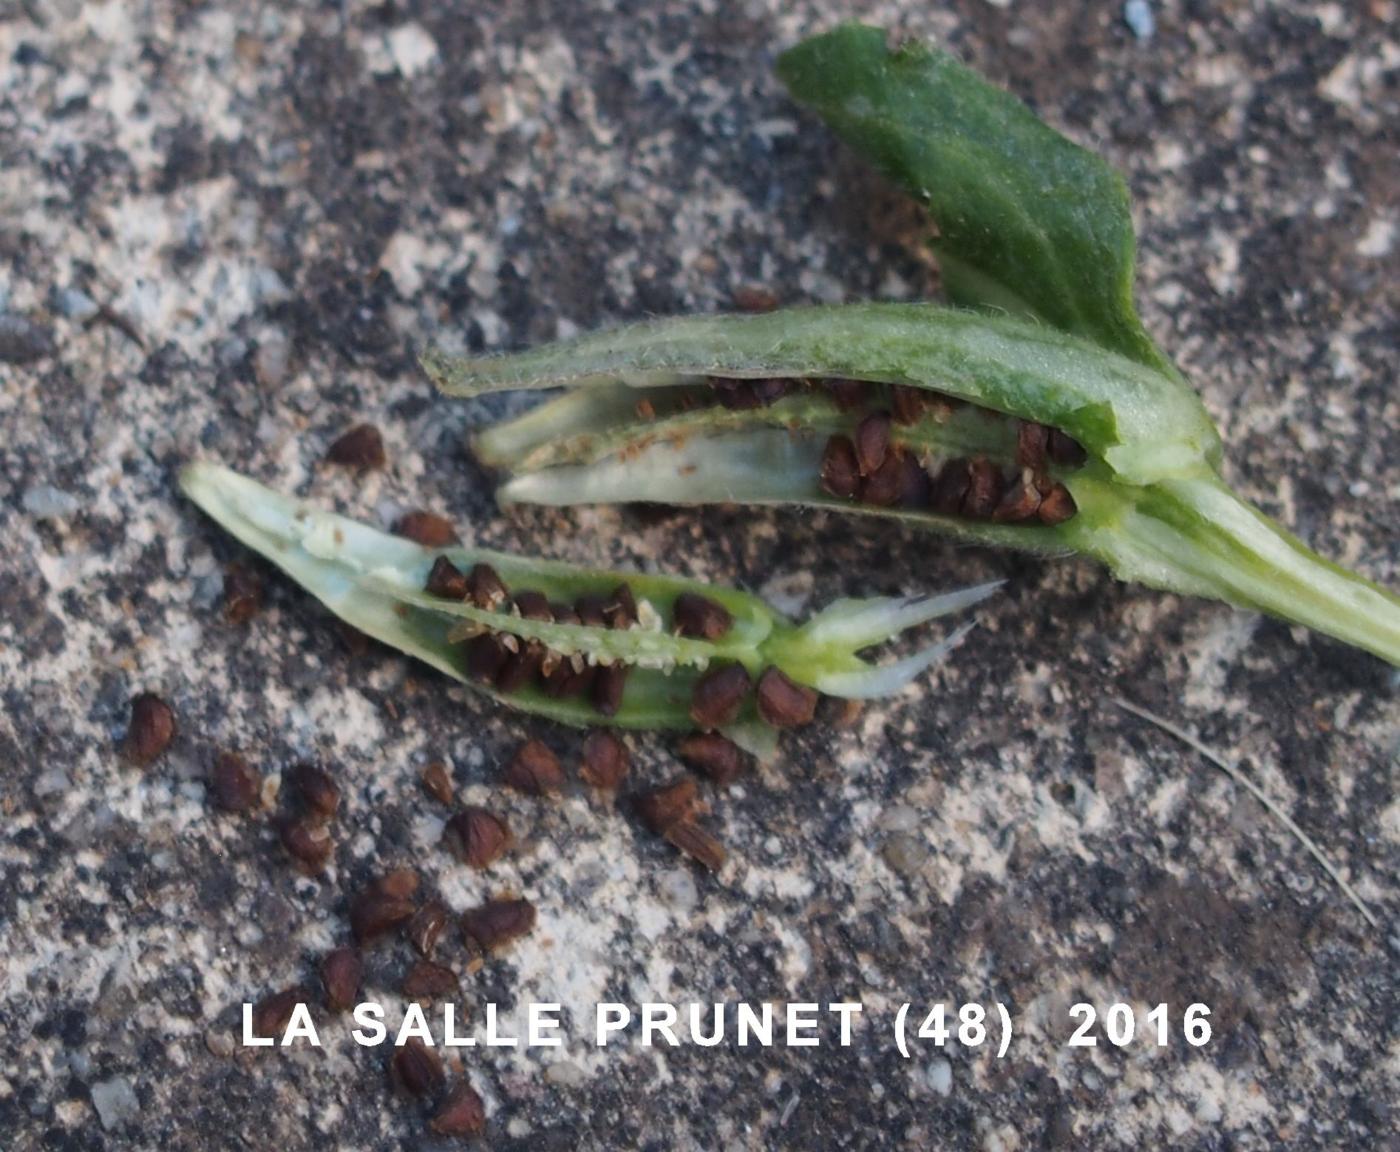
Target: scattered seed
(840, 475)
(461, 1113)
(498, 922)
(341, 974)
(755, 298)
(719, 695)
(908, 404)
(534, 770)
(1032, 442)
(664, 807)
(714, 756)
(375, 913)
(445, 579)
(983, 489)
(1057, 506)
(417, 1069)
(885, 486)
(1065, 450)
(400, 883)
(488, 590)
(234, 785)
(429, 981)
(1019, 502)
(361, 447)
(476, 836)
(700, 845)
(609, 682)
(272, 1013)
(318, 792)
(437, 782)
(150, 731)
(426, 528)
(700, 617)
(605, 761)
(783, 703)
(950, 488)
(872, 441)
(243, 590)
(308, 842)
(426, 926)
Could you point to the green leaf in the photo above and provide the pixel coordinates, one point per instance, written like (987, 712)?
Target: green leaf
(1028, 222)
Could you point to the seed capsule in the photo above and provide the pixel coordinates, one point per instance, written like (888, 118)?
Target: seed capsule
(840, 475)
(605, 761)
(476, 836)
(609, 683)
(445, 580)
(713, 756)
(534, 770)
(488, 590)
(872, 442)
(1057, 505)
(498, 922)
(426, 528)
(426, 925)
(700, 617)
(783, 703)
(983, 489)
(341, 975)
(719, 695)
(461, 1113)
(362, 447)
(429, 981)
(151, 731)
(234, 785)
(417, 1069)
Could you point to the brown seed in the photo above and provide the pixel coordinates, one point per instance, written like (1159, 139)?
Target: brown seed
(908, 404)
(498, 922)
(564, 614)
(836, 712)
(400, 883)
(984, 486)
(426, 926)
(308, 842)
(605, 761)
(700, 617)
(840, 475)
(445, 579)
(848, 394)
(485, 655)
(872, 442)
(374, 914)
(621, 609)
(783, 703)
(713, 756)
(592, 610)
(437, 782)
(150, 731)
(719, 695)
(488, 590)
(1057, 506)
(737, 395)
(518, 668)
(1019, 503)
(572, 676)
(914, 484)
(884, 487)
(698, 844)
(476, 836)
(361, 447)
(318, 792)
(234, 785)
(663, 807)
(533, 606)
(341, 975)
(609, 683)
(417, 1069)
(426, 528)
(950, 487)
(272, 1013)
(1065, 450)
(534, 770)
(243, 589)
(755, 298)
(1032, 441)
(429, 981)
(772, 390)
(461, 1113)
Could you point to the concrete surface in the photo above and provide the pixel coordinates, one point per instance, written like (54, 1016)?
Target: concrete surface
(278, 202)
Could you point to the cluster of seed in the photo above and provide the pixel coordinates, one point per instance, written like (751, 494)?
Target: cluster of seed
(508, 663)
